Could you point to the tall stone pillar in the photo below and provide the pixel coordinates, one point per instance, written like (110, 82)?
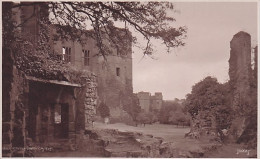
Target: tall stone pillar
(240, 74)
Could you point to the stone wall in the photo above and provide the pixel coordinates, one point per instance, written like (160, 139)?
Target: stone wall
(150, 102)
(240, 68)
(14, 109)
(204, 123)
(240, 74)
(15, 87)
(90, 100)
(114, 89)
(156, 101)
(114, 75)
(16, 119)
(14, 92)
(46, 100)
(144, 100)
(243, 94)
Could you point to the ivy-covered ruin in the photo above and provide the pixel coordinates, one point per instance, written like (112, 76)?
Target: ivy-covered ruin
(44, 99)
(228, 112)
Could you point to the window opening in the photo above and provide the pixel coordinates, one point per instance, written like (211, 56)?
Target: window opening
(118, 71)
(86, 57)
(66, 54)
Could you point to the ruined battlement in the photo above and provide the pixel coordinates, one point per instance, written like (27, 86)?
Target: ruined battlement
(150, 102)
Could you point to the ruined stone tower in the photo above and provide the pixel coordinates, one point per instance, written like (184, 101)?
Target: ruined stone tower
(240, 76)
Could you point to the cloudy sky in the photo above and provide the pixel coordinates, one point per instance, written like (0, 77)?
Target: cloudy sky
(211, 27)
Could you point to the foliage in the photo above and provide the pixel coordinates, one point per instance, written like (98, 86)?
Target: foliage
(153, 117)
(35, 58)
(208, 94)
(179, 118)
(150, 19)
(146, 117)
(103, 110)
(130, 101)
(203, 96)
(143, 118)
(164, 113)
(41, 64)
(7, 25)
(133, 108)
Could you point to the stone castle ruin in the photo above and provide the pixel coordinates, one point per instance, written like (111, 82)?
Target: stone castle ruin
(150, 103)
(243, 89)
(43, 107)
(56, 107)
(242, 81)
(114, 75)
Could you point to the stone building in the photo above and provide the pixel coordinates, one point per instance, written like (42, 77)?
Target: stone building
(144, 100)
(114, 75)
(150, 102)
(44, 110)
(41, 110)
(156, 101)
(51, 108)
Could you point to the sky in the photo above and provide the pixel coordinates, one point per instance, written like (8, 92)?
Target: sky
(211, 26)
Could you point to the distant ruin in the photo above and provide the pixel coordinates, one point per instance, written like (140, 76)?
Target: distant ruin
(150, 103)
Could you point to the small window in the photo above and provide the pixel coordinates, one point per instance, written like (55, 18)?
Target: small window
(86, 57)
(66, 54)
(118, 71)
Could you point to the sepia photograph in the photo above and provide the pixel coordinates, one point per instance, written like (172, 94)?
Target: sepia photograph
(129, 79)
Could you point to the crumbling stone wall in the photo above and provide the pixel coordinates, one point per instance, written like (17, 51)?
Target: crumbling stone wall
(240, 74)
(86, 101)
(14, 109)
(86, 105)
(242, 90)
(14, 92)
(16, 88)
(15, 112)
(90, 100)
(204, 123)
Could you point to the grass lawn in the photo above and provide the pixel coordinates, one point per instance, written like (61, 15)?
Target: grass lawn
(170, 133)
